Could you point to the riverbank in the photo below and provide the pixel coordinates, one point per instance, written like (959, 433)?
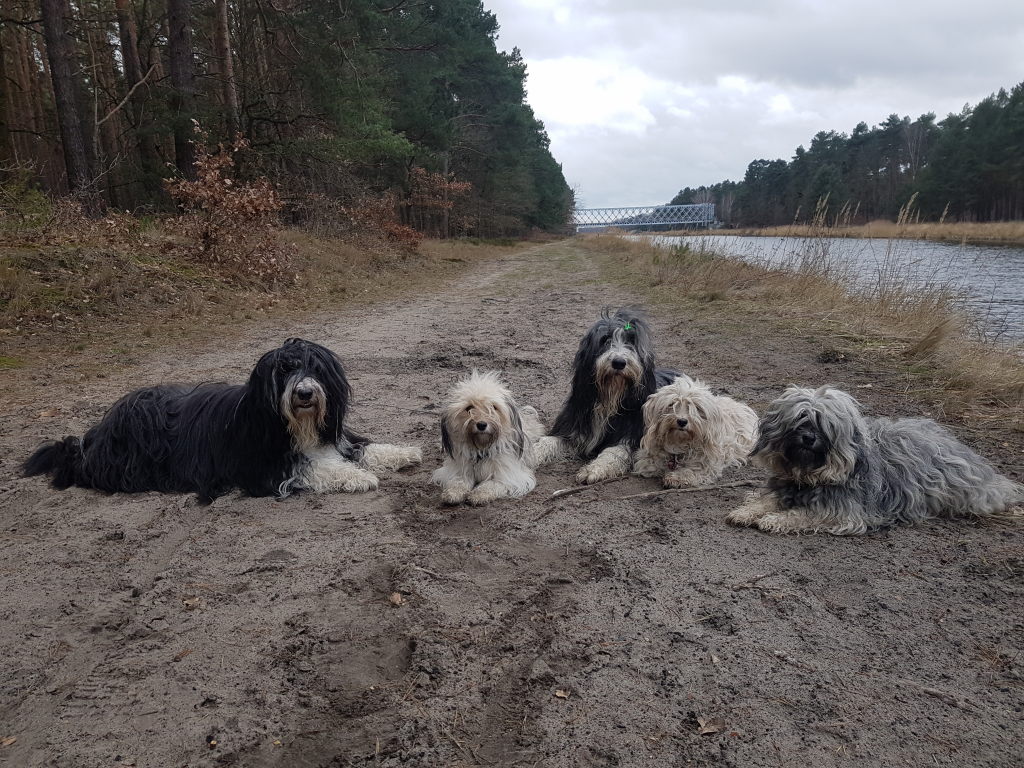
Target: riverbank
(986, 233)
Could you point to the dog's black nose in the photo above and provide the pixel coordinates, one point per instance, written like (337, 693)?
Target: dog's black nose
(303, 393)
(682, 422)
(618, 363)
(808, 440)
(481, 425)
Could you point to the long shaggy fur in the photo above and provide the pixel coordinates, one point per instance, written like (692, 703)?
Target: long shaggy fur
(691, 435)
(834, 471)
(283, 430)
(489, 443)
(613, 374)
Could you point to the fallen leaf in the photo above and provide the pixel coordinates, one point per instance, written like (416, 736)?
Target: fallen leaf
(396, 598)
(277, 742)
(191, 603)
(709, 725)
(49, 413)
(562, 694)
(8, 741)
(715, 659)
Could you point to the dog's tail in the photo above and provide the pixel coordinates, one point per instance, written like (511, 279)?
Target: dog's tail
(61, 458)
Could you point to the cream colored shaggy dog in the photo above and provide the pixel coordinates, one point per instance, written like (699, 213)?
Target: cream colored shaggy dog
(691, 435)
(489, 443)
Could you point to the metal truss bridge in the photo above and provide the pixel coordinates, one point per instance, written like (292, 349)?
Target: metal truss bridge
(662, 216)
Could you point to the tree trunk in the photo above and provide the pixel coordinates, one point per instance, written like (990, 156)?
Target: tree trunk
(179, 31)
(6, 150)
(60, 52)
(445, 226)
(222, 50)
(129, 35)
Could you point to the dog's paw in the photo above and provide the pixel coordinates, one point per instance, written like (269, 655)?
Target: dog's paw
(479, 499)
(678, 479)
(746, 515)
(454, 495)
(741, 518)
(380, 457)
(779, 522)
(647, 469)
(358, 481)
(407, 456)
(590, 474)
(548, 449)
(684, 478)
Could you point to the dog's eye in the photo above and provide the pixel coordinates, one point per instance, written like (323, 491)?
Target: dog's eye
(469, 408)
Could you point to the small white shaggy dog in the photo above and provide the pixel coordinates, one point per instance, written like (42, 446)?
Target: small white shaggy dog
(691, 435)
(489, 443)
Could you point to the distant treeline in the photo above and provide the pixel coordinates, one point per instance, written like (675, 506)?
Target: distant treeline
(339, 101)
(968, 167)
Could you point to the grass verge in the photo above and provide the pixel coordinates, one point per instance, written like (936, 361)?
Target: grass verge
(114, 299)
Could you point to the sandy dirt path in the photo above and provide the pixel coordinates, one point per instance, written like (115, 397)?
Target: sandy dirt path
(149, 631)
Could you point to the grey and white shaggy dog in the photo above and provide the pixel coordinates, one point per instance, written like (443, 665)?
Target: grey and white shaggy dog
(613, 374)
(691, 435)
(835, 471)
(488, 443)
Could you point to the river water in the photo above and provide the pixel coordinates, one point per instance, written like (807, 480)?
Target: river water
(988, 280)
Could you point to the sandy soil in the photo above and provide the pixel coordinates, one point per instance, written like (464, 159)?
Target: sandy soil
(592, 631)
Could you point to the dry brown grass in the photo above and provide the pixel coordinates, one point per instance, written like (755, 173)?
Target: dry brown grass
(332, 269)
(990, 233)
(44, 285)
(54, 286)
(112, 301)
(919, 329)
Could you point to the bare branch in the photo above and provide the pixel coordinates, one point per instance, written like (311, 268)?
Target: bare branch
(124, 101)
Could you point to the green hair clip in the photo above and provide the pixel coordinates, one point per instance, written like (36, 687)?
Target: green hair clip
(627, 327)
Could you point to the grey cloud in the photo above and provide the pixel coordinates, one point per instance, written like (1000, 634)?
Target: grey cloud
(837, 63)
(802, 43)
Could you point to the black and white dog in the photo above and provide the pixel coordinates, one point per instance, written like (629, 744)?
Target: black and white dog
(282, 431)
(602, 420)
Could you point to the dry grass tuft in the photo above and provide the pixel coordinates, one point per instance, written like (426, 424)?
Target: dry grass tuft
(921, 329)
(932, 340)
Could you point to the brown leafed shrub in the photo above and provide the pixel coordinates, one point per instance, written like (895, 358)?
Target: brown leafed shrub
(369, 222)
(430, 205)
(228, 224)
(378, 214)
(28, 217)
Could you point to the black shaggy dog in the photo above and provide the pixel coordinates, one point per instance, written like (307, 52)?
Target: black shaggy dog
(282, 431)
(602, 419)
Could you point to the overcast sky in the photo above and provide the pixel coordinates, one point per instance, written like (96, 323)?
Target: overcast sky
(644, 97)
